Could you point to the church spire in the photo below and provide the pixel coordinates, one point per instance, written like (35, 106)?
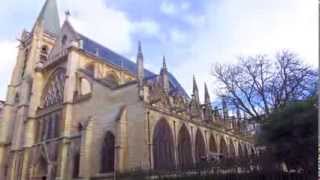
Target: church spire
(164, 75)
(49, 17)
(207, 100)
(164, 64)
(140, 69)
(195, 90)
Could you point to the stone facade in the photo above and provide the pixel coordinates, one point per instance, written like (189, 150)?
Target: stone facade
(77, 110)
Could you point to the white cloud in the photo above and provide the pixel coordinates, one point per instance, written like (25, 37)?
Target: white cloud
(177, 36)
(8, 60)
(99, 22)
(106, 25)
(185, 6)
(168, 8)
(248, 27)
(149, 28)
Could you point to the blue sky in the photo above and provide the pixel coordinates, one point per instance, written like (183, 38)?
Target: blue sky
(191, 34)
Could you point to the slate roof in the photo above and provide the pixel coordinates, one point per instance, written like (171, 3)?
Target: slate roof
(92, 47)
(50, 17)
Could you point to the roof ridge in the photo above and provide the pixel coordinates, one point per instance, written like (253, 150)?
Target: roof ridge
(90, 46)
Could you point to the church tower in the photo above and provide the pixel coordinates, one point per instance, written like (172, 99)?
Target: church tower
(22, 94)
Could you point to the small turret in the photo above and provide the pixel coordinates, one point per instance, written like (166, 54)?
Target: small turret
(164, 76)
(140, 69)
(207, 100)
(207, 105)
(140, 65)
(224, 108)
(195, 90)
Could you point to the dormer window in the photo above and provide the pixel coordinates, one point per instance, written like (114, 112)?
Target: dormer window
(64, 40)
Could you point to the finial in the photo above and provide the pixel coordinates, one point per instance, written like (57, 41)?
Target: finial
(139, 47)
(195, 86)
(164, 65)
(67, 14)
(206, 94)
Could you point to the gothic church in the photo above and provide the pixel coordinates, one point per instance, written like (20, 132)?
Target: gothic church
(77, 110)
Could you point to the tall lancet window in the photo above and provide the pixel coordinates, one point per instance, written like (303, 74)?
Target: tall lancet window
(52, 96)
(107, 153)
(184, 148)
(163, 154)
(200, 152)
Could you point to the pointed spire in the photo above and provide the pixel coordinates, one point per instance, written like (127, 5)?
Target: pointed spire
(164, 65)
(195, 90)
(207, 100)
(164, 75)
(195, 86)
(49, 17)
(139, 48)
(224, 108)
(140, 64)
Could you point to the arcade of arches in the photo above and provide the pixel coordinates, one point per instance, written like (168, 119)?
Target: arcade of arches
(187, 155)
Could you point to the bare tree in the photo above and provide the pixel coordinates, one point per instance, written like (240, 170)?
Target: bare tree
(258, 85)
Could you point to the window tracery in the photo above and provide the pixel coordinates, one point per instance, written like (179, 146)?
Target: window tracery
(53, 92)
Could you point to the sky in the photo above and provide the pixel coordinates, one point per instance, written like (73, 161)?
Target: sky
(192, 35)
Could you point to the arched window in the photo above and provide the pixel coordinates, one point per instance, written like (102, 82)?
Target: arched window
(223, 147)
(107, 153)
(54, 89)
(42, 167)
(232, 149)
(64, 40)
(252, 152)
(112, 79)
(52, 95)
(240, 151)
(89, 68)
(17, 98)
(76, 165)
(184, 148)
(163, 156)
(213, 145)
(246, 154)
(200, 151)
(44, 53)
(85, 86)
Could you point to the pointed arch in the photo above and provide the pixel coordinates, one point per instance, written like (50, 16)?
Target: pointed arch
(240, 151)
(246, 154)
(107, 153)
(184, 148)
(53, 91)
(76, 165)
(163, 154)
(252, 151)
(232, 152)
(223, 147)
(200, 151)
(212, 144)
